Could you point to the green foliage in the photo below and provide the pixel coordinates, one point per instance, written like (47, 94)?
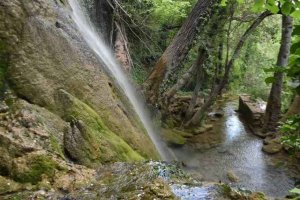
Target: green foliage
(248, 75)
(293, 69)
(291, 130)
(171, 11)
(151, 25)
(295, 191)
(287, 7)
(270, 80)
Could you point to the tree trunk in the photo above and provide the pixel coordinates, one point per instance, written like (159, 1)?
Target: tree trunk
(181, 82)
(194, 121)
(273, 110)
(176, 52)
(294, 108)
(219, 66)
(121, 49)
(202, 56)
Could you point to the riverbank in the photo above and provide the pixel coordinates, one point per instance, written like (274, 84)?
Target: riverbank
(229, 152)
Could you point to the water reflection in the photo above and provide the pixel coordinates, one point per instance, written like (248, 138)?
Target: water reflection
(239, 151)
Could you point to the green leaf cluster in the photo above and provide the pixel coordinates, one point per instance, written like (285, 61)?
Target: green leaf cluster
(291, 130)
(286, 7)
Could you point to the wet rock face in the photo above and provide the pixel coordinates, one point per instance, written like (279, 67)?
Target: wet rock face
(47, 54)
(101, 14)
(90, 120)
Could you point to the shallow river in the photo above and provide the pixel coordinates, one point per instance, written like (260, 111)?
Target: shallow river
(237, 150)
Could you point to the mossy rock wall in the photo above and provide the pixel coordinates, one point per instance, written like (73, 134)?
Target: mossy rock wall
(89, 141)
(47, 54)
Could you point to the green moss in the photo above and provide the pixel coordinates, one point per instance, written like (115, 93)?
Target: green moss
(39, 166)
(173, 138)
(101, 144)
(56, 146)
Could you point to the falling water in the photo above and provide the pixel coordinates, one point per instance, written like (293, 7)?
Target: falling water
(106, 56)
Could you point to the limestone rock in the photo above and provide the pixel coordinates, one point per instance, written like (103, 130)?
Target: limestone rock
(50, 54)
(252, 111)
(273, 146)
(232, 176)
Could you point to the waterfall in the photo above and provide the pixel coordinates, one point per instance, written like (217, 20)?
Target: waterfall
(106, 56)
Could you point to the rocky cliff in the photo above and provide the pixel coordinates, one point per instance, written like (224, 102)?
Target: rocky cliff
(59, 110)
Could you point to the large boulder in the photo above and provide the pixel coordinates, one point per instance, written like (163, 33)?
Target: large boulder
(251, 110)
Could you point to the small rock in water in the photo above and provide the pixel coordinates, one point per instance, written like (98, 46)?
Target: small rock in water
(232, 176)
(272, 148)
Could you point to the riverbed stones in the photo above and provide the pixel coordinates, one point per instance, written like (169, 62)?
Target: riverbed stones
(273, 146)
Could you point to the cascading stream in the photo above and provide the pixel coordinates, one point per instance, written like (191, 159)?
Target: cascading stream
(104, 53)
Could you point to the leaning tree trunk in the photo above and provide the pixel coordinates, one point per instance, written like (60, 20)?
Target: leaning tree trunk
(121, 48)
(176, 52)
(202, 56)
(294, 108)
(194, 121)
(273, 110)
(180, 83)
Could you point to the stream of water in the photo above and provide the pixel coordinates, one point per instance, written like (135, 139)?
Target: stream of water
(106, 57)
(237, 150)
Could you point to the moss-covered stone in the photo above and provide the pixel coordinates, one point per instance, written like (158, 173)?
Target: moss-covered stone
(173, 137)
(56, 146)
(38, 166)
(8, 186)
(89, 141)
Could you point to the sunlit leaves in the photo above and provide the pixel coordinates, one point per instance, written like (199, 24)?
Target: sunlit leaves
(296, 14)
(223, 2)
(295, 191)
(286, 8)
(290, 128)
(259, 6)
(272, 6)
(171, 10)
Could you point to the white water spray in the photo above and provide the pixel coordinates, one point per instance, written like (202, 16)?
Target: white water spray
(106, 56)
